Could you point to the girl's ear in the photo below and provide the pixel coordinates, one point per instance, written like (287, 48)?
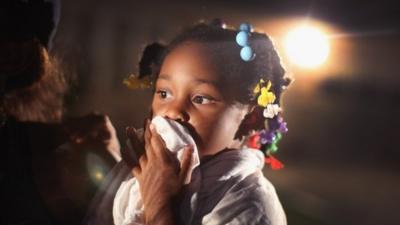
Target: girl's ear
(150, 60)
(253, 120)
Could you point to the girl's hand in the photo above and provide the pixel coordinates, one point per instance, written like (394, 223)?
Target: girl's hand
(160, 177)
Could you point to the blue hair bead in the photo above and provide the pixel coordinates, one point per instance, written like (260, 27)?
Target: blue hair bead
(242, 38)
(246, 27)
(247, 53)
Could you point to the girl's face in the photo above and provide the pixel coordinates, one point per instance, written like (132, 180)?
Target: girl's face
(187, 91)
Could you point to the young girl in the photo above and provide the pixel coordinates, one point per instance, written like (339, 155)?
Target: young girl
(223, 86)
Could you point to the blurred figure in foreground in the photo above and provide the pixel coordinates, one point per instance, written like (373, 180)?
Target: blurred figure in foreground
(40, 182)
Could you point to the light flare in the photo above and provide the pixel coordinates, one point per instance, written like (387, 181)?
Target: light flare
(307, 46)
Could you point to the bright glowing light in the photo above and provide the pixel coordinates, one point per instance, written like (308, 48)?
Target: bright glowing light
(307, 46)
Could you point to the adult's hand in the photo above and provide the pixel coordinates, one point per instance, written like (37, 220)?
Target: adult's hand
(94, 130)
(161, 177)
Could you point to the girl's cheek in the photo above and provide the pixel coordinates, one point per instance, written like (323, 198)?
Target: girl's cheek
(204, 127)
(156, 108)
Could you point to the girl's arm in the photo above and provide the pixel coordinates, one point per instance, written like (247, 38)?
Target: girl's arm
(160, 178)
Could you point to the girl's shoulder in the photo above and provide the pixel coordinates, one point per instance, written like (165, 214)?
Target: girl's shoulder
(253, 200)
(255, 188)
(235, 189)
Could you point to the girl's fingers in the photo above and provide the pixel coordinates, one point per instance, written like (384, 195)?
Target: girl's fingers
(147, 134)
(158, 145)
(143, 161)
(147, 141)
(137, 145)
(136, 171)
(131, 155)
(186, 163)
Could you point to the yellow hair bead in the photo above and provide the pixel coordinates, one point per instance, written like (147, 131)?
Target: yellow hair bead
(266, 97)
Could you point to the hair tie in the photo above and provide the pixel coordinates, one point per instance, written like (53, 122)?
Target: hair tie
(242, 39)
(148, 64)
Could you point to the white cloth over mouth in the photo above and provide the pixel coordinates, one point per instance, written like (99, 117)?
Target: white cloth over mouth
(128, 205)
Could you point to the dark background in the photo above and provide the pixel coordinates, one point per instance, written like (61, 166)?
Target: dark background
(341, 152)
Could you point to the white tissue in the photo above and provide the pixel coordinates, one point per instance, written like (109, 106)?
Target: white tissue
(176, 138)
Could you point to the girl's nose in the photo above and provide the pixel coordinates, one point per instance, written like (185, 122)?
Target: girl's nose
(177, 111)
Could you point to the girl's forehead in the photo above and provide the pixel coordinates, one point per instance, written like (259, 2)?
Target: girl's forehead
(194, 63)
(189, 61)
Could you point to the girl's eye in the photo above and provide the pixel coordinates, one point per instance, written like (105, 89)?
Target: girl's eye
(163, 94)
(202, 99)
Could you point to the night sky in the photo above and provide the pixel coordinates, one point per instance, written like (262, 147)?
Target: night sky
(341, 152)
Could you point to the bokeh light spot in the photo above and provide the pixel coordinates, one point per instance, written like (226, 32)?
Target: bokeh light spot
(307, 46)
